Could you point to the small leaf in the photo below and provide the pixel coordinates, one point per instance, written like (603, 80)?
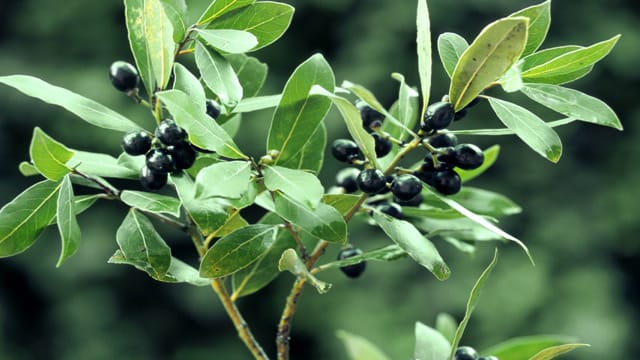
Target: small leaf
(490, 157)
(220, 7)
(359, 348)
(446, 325)
(573, 103)
(49, 156)
(228, 40)
(67, 223)
(101, 165)
(151, 202)
(530, 128)
(511, 81)
(450, 47)
(140, 243)
(251, 73)
(492, 53)
(553, 352)
(423, 41)
(237, 250)
(296, 184)
(430, 344)
(539, 21)
(487, 203)
(525, 347)
(209, 214)
(414, 243)
(27, 169)
(219, 76)
(289, 261)
(189, 84)
(178, 272)
(387, 253)
(229, 179)
(87, 109)
(341, 202)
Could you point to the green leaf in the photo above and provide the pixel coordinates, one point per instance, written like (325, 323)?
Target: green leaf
(311, 156)
(387, 253)
(67, 223)
(472, 303)
(257, 103)
(506, 131)
(461, 228)
(487, 203)
(446, 325)
(289, 261)
(572, 61)
(341, 202)
(217, 73)
(430, 344)
(228, 40)
(203, 131)
(539, 22)
(151, 202)
(101, 165)
(23, 219)
(189, 84)
(229, 179)
(151, 40)
(267, 20)
(547, 55)
(414, 243)
(299, 114)
(573, 103)
(49, 156)
(27, 169)
(359, 348)
(492, 53)
(208, 214)
(220, 7)
(450, 47)
(178, 272)
(525, 347)
(296, 184)
(237, 250)
(406, 112)
(176, 13)
(87, 109)
(529, 128)
(511, 81)
(553, 352)
(251, 73)
(490, 157)
(140, 243)
(423, 41)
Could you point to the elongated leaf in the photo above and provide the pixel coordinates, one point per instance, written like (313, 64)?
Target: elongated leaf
(507, 131)
(487, 203)
(229, 179)
(491, 54)
(237, 250)
(529, 128)
(359, 348)
(176, 13)
(447, 325)
(490, 157)
(209, 214)
(547, 55)
(312, 155)
(258, 103)
(472, 303)
(341, 202)
(387, 253)
(423, 41)
(267, 20)
(296, 184)
(25, 217)
(217, 73)
(151, 39)
(203, 131)
(251, 73)
(189, 84)
(299, 113)
(414, 243)
(151, 202)
(67, 223)
(101, 165)
(87, 109)
(573, 103)
(430, 344)
(572, 61)
(525, 347)
(178, 272)
(450, 47)
(49, 156)
(229, 40)
(555, 351)
(220, 7)
(539, 21)
(405, 111)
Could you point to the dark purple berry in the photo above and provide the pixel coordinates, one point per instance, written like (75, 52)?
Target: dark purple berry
(406, 186)
(383, 146)
(371, 119)
(443, 140)
(347, 179)
(152, 180)
(392, 209)
(371, 181)
(160, 161)
(213, 109)
(465, 353)
(355, 270)
(414, 201)
(438, 116)
(183, 154)
(387, 188)
(468, 156)
(345, 150)
(123, 76)
(169, 133)
(446, 181)
(447, 155)
(136, 142)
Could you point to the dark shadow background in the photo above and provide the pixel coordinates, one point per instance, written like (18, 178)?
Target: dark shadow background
(580, 218)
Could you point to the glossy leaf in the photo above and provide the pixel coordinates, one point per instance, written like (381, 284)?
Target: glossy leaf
(359, 348)
(151, 202)
(208, 214)
(229, 179)
(140, 243)
(102, 165)
(447, 325)
(312, 155)
(341, 202)
(217, 73)
(430, 344)
(258, 103)
(507, 131)
(176, 13)
(220, 7)
(387, 253)
(547, 55)
(414, 243)
(525, 347)
(490, 157)
(460, 228)
(291, 262)
(512, 81)
(423, 41)
(296, 184)
(491, 54)
(485, 202)
(49, 156)
(539, 22)
(68, 227)
(251, 73)
(179, 272)
(532, 130)
(299, 114)
(573, 103)
(87, 109)
(267, 20)
(203, 130)
(228, 40)
(450, 47)
(405, 110)
(237, 250)
(27, 169)
(555, 351)
(189, 84)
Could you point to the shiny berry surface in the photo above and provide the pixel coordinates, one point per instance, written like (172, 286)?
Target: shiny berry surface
(443, 140)
(371, 181)
(169, 133)
(446, 181)
(124, 76)
(136, 142)
(468, 156)
(345, 150)
(414, 201)
(438, 116)
(183, 154)
(151, 180)
(355, 270)
(347, 179)
(160, 161)
(392, 209)
(382, 146)
(213, 108)
(371, 119)
(465, 353)
(406, 186)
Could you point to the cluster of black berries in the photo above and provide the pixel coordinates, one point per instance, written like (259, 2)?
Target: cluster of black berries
(355, 270)
(469, 353)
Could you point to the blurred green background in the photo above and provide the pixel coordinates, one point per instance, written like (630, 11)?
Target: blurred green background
(580, 216)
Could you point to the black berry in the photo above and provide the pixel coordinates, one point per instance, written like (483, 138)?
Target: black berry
(447, 155)
(136, 142)
(468, 156)
(488, 358)
(183, 154)
(371, 181)
(383, 146)
(371, 119)
(169, 133)
(406, 186)
(387, 188)
(465, 353)
(355, 270)
(152, 180)
(345, 150)
(438, 116)
(443, 140)
(213, 109)
(446, 181)
(160, 161)
(123, 76)
(347, 179)
(391, 209)
(414, 201)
